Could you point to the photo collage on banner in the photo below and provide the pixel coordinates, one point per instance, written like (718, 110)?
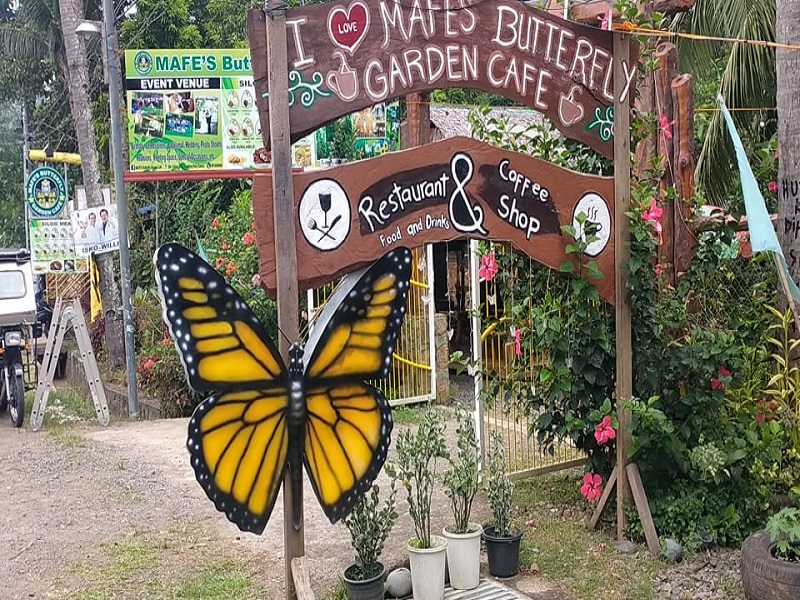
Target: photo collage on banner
(194, 110)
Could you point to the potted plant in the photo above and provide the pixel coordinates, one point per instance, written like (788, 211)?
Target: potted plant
(417, 455)
(502, 543)
(369, 525)
(461, 485)
(771, 559)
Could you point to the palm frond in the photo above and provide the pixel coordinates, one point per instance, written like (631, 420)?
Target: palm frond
(748, 79)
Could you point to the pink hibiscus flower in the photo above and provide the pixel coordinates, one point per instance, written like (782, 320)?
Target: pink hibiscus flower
(592, 487)
(488, 268)
(664, 125)
(653, 215)
(604, 432)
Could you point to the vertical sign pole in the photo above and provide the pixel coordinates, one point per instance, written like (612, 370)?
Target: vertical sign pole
(25, 171)
(285, 236)
(622, 253)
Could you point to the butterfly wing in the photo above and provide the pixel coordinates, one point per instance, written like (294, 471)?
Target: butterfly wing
(238, 444)
(222, 344)
(355, 335)
(348, 431)
(238, 440)
(349, 422)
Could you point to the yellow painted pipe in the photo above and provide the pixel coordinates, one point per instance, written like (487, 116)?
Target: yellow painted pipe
(59, 157)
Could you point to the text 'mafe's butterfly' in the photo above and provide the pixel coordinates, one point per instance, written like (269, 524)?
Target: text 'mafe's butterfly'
(265, 417)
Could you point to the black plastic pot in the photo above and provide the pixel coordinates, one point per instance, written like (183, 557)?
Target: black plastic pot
(502, 552)
(363, 589)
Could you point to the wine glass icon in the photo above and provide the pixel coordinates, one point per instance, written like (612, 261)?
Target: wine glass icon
(325, 205)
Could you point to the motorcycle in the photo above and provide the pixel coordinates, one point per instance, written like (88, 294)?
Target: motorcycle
(17, 314)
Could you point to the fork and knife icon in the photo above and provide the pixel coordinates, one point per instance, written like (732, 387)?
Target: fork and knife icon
(324, 229)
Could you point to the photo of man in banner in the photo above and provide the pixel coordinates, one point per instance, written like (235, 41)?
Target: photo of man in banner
(94, 230)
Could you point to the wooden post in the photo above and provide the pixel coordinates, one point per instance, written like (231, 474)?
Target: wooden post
(622, 253)
(418, 119)
(683, 165)
(285, 239)
(667, 57)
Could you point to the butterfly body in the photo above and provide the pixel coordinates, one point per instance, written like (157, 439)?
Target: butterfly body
(265, 417)
(297, 415)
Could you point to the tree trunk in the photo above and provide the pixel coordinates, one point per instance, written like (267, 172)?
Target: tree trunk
(75, 69)
(788, 96)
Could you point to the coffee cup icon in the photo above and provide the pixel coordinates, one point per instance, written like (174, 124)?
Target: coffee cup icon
(344, 82)
(570, 111)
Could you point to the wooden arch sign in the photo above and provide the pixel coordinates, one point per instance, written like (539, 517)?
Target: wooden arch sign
(350, 215)
(345, 56)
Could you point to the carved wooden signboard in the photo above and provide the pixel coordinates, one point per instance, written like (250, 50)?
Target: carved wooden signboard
(345, 56)
(351, 215)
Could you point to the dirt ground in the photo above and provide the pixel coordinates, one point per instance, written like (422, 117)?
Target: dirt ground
(90, 513)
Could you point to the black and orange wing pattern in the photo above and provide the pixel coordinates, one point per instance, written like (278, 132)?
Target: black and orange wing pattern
(238, 438)
(222, 344)
(349, 422)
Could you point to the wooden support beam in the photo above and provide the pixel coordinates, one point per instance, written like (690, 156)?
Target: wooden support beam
(643, 508)
(302, 583)
(622, 254)
(666, 56)
(683, 163)
(601, 506)
(286, 240)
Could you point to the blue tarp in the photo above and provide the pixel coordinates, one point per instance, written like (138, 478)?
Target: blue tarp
(762, 233)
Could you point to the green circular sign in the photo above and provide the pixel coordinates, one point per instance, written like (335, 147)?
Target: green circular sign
(45, 192)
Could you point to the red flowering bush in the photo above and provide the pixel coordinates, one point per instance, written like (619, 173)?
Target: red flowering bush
(159, 372)
(231, 247)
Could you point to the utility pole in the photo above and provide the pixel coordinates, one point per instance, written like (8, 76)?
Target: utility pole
(114, 93)
(26, 143)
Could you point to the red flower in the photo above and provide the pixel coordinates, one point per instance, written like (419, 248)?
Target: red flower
(604, 432)
(716, 384)
(488, 267)
(219, 262)
(659, 270)
(518, 342)
(166, 341)
(592, 487)
(760, 416)
(231, 268)
(773, 405)
(215, 223)
(772, 186)
(225, 245)
(652, 216)
(256, 280)
(248, 238)
(723, 372)
(664, 125)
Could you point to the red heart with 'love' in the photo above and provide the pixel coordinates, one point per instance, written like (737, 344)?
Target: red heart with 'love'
(347, 27)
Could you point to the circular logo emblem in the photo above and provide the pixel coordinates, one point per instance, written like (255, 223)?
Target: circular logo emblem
(45, 192)
(597, 222)
(325, 214)
(143, 62)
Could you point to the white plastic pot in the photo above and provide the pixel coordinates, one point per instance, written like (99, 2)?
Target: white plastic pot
(427, 569)
(464, 557)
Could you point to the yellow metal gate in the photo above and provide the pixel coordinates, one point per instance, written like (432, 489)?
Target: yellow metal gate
(494, 350)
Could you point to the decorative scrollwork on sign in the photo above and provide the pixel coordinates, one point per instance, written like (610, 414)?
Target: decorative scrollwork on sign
(603, 122)
(308, 90)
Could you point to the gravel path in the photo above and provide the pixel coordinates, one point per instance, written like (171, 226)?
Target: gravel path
(68, 500)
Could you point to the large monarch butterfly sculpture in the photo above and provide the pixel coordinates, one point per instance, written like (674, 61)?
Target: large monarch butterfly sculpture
(264, 417)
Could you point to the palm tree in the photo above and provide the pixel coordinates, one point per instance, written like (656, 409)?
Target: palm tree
(788, 75)
(747, 77)
(43, 32)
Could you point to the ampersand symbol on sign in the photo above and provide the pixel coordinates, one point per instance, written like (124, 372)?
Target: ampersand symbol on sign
(466, 217)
